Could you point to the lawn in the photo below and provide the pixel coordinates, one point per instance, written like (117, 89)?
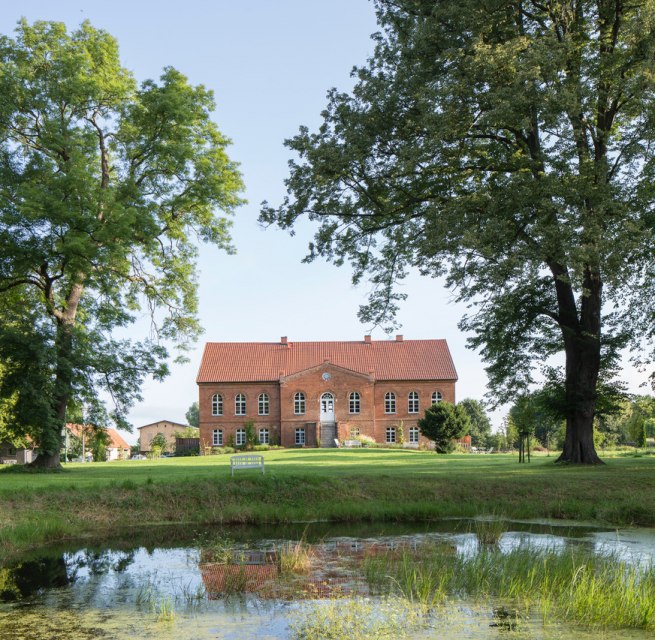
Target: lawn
(317, 484)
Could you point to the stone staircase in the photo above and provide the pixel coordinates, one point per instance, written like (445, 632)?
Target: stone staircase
(328, 434)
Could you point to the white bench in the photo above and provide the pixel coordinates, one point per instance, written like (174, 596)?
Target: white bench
(246, 462)
(352, 443)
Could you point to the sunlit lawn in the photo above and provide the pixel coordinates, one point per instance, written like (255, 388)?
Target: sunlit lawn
(319, 484)
(333, 463)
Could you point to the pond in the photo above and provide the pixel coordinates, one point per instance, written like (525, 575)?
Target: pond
(483, 578)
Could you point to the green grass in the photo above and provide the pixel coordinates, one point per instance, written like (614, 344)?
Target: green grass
(572, 585)
(317, 484)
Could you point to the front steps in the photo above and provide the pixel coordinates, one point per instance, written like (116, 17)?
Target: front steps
(328, 434)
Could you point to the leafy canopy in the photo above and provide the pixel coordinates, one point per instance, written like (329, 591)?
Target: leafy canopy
(506, 146)
(105, 187)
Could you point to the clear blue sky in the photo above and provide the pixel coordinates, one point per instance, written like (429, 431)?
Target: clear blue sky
(270, 64)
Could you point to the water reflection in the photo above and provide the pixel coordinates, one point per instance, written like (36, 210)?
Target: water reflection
(214, 582)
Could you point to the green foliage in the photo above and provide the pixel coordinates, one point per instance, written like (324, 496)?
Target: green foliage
(400, 433)
(507, 148)
(193, 415)
(443, 423)
(159, 443)
(188, 432)
(105, 185)
(480, 425)
(251, 438)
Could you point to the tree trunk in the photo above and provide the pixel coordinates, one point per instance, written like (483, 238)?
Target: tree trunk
(582, 367)
(581, 333)
(51, 439)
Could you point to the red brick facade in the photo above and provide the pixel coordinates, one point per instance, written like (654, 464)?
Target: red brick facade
(229, 371)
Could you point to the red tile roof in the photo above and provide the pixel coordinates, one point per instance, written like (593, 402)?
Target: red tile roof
(384, 359)
(115, 439)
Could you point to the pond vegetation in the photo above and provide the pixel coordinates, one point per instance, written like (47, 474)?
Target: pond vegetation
(451, 579)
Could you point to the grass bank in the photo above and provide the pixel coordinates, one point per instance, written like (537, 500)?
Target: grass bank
(299, 485)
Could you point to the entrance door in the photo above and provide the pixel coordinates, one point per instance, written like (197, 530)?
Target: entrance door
(327, 407)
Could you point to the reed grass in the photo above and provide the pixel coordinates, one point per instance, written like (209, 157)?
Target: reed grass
(489, 529)
(596, 592)
(295, 558)
(235, 582)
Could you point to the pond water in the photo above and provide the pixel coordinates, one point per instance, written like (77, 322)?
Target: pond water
(301, 581)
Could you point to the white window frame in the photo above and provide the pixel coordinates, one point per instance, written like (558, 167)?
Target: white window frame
(391, 435)
(240, 437)
(217, 404)
(355, 432)
(240, 404)
(299, 404)
(354, 403)
(263, 403)
(413, 405)
(390, 402)
(264, 436)
(301, 437)
(217, 437)
(437, 397)
(413, 435)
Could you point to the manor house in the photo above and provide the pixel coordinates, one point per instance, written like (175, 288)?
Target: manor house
(302, 394)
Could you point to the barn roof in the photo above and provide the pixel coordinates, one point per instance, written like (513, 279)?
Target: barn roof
(383, 359)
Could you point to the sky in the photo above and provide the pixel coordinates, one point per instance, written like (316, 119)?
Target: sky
(270, 64)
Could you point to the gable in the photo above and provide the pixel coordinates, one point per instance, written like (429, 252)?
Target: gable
(327, 368)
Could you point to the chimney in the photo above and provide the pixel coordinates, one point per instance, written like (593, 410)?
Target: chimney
(367, 339)
(399, 338)
(283, 340)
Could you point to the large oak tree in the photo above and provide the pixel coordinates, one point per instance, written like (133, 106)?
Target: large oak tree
(105, 185)
(508, 146)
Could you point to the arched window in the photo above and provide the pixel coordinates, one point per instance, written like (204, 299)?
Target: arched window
(413, 435)
(240, 405)
(217, 437)
(354, 402)
(264, 436)
(240, 437)
(217, 405)
(389, 402)
(412, 402)
(436, 397)
(299, 404)
(263, 404)
(391, 435)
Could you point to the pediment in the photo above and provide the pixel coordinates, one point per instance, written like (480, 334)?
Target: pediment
(329, 368)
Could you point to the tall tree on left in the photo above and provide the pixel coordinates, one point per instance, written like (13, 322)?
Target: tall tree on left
(104, 187)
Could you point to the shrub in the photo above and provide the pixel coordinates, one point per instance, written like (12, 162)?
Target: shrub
(443, 423)
(217, 451)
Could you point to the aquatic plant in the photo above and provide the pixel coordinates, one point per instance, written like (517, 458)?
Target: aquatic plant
(489, 529)
(596, 592)
(165, 611)
(235, 581)
(357, 619)
(295, 557)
